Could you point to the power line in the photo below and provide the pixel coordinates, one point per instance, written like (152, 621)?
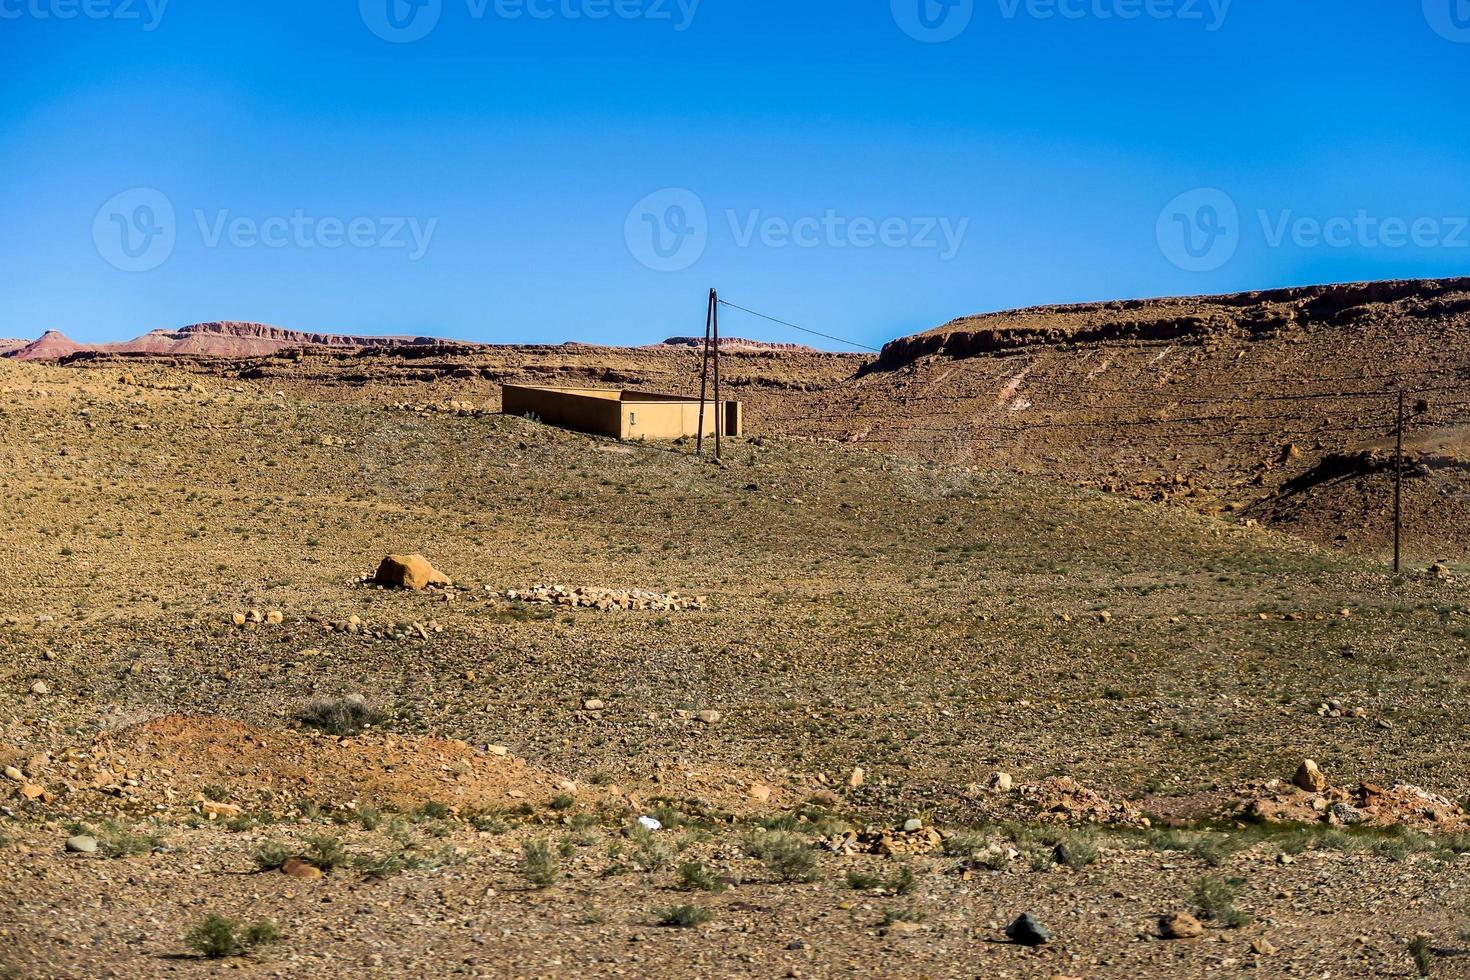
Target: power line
(814, 333)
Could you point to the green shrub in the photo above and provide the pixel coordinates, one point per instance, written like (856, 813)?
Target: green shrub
(271, 854)
(904, 882)
(694, 876)
(326, 851)
(1077, 850)
(1423, 953)
(786, 856)
(342, 716)
(863, 881)
(1214, 899)
(684, 916)
(650, 852)
(539, 864)
(217, 936)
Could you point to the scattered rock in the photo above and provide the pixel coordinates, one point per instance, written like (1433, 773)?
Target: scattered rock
(607, 600)
(1309, 777)
(1027, 930)
(297, 868)
(1180, 925)
(214, 808)
(409, 572)
(1261, 946)
(30, 791)
(81, 844)
(14, 774)
(1000, 782)
(855, 781)
(593, 704)
(40, 687)
(708, 717)
(913, 825)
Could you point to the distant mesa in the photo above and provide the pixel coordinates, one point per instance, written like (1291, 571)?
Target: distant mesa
(737, 343)
(217, 339)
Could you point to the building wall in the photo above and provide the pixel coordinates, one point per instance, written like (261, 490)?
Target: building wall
(620, 414)
(595, 410)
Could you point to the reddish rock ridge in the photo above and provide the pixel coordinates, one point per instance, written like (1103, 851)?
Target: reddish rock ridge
(217, 339)
(8, 344)
(1179, 319)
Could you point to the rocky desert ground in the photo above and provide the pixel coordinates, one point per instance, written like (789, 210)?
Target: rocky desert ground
(826, 709)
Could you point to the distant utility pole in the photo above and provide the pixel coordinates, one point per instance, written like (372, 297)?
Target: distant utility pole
(711, 352)
(1398, 492)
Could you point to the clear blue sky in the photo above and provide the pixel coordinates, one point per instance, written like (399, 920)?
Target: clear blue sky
(827, 147)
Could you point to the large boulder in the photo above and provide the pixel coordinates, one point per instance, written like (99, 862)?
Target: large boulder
(409, 572)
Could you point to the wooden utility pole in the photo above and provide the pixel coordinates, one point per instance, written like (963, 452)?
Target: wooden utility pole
(714, 299)
(709, 320)
(1398, 492)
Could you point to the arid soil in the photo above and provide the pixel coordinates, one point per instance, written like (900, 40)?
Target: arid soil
(1082, 705)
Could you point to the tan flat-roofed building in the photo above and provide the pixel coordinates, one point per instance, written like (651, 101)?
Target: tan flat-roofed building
(621, 414)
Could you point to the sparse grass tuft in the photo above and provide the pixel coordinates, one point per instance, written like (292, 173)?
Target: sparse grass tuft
(271, 854)
(787, 856)
(342, 716)
(694, 876)
(539, 863)
(1214, 899)
(326, 851)
(216, 936)
(684, 916)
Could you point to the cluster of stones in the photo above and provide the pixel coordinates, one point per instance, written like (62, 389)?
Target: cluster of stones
(440, 408)
(397, 631)
(607, 599)
(255, 617)
(912, 838)
(1311, 797)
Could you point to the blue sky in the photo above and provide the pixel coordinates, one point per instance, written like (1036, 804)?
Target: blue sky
(550, 170)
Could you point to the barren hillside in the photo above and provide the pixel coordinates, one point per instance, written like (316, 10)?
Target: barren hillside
(1227, 403)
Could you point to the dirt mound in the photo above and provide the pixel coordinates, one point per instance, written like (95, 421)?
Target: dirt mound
(1367, 805)
(181, 756)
